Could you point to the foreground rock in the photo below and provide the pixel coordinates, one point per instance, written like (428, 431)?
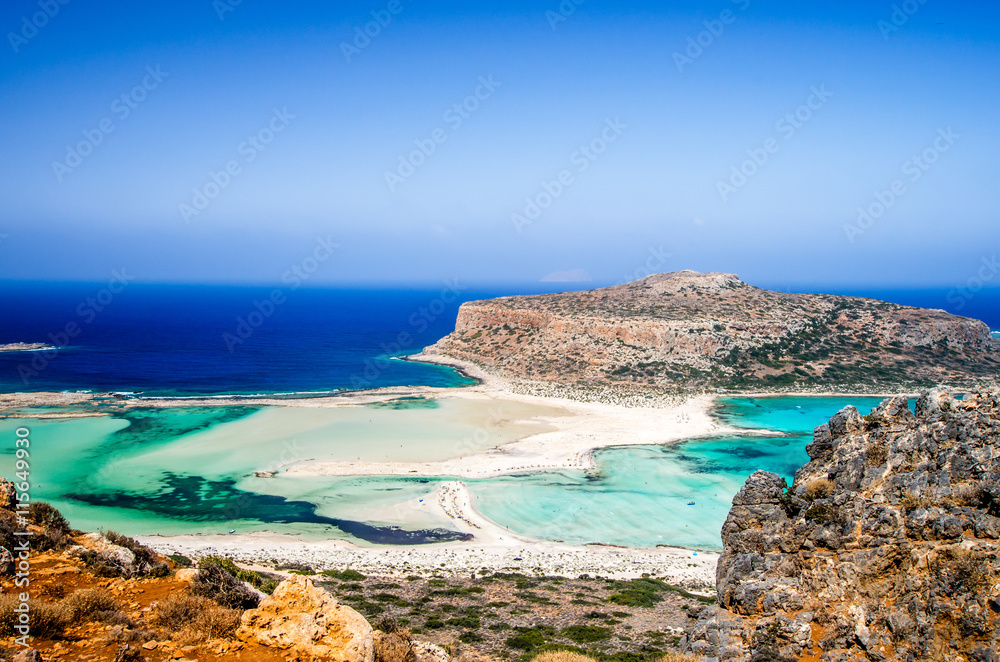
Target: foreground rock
(884, 548)
(692, 329)
(308, 620)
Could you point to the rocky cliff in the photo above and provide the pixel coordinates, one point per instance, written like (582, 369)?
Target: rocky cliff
(690, 329)
(885, 547)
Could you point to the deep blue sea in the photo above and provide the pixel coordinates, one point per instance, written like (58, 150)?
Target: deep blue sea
(186, 340)
(189, 340)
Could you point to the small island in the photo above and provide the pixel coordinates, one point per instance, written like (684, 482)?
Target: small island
(24, 346)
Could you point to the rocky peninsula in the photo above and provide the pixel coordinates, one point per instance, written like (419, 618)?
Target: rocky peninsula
(687, 331)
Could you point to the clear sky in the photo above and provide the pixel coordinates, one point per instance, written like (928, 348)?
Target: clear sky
(500, 142)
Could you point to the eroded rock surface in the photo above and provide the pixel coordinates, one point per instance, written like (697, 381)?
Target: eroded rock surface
(306, 619)
(885, 547)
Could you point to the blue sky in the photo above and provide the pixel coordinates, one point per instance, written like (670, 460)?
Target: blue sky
(610, 120)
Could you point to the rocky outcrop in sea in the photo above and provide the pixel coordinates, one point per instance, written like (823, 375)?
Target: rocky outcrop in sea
(686, 330)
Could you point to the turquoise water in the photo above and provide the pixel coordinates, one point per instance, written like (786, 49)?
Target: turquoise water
(174, 471)
(639, 496)
(795, 415)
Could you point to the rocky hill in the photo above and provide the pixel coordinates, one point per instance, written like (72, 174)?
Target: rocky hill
(885, 547)
(689, 329)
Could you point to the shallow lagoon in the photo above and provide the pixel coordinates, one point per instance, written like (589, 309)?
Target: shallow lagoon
(174, 471)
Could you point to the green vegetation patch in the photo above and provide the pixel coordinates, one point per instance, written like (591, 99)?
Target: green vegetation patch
(586, 634)
(344, 575)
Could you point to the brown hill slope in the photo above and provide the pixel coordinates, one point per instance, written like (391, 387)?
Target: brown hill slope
(691, 330)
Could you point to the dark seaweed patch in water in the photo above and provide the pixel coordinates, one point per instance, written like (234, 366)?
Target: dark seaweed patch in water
(409, 402)
(195, 499)
(153, 423)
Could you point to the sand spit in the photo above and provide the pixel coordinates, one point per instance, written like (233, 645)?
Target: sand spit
(494, 548)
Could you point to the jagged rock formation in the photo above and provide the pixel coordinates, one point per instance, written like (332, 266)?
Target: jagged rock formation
(301, 617)
(692, 329)
(885, 547)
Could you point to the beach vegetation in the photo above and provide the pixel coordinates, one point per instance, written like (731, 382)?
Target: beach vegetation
(390, 598)
(585, 634)
(216, 584)
(56, 528)
(448, 592)
(344, 575)
(142, 553)
(263, 582)
(467, 621)
(535, 598)
(180, 561)
(646, 592)
(145, 562)
(296, 568)
(45, 515)
(529, 638)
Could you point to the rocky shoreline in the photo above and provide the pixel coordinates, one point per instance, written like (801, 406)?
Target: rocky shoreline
(886, 546)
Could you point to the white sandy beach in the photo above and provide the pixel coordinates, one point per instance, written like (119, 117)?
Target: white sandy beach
(579, 429)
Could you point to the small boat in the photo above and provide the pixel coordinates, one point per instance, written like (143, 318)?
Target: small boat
(690, 503)
(232, 530)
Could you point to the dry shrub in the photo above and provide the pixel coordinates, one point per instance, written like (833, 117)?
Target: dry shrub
(178, 611)
(877, 454)
(394, 646)
(43, 514)
(213, 582)
(91, 604)
(48, 620)
(819, 488)
(147, 562)
(218, 623)
(966, 494)
(562, 656)
(120, 634)
(194, 616)
(128, 653)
